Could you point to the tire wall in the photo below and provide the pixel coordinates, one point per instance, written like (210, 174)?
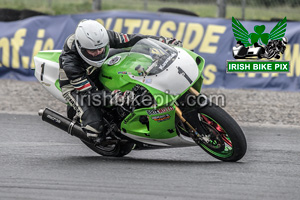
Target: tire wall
(7, 15)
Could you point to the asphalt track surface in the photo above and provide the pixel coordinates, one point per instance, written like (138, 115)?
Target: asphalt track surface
(39, 161)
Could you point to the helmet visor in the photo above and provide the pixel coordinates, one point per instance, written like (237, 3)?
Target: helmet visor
(95, 54)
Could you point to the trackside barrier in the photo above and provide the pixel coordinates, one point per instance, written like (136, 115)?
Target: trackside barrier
(211, 38)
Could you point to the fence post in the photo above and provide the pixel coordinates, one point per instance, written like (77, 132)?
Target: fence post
(243, 9)
(221, 8)
(50, 3)
(96, 5)
(145, 4)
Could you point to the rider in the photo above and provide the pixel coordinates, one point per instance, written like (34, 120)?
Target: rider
(83, 54)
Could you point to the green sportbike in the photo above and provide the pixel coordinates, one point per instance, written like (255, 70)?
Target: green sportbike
(169, 109)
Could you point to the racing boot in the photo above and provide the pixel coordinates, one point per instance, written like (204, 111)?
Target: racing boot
(97, 138)
(95, 134)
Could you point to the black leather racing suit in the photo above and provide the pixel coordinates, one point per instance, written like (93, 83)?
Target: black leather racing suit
(76, 78)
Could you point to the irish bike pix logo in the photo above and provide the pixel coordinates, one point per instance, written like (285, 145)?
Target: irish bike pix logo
(258, 51)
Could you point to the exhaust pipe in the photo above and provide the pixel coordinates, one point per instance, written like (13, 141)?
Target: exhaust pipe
(63, 123)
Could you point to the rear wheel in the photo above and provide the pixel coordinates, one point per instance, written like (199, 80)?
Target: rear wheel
(220, 135)
(117, 149)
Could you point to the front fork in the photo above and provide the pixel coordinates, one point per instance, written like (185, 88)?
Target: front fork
(195, 133)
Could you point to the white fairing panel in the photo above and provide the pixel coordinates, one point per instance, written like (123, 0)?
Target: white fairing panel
(176, 78)
(178, 141)
(47, 73)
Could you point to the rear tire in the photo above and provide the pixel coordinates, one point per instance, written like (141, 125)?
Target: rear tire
(119, 149)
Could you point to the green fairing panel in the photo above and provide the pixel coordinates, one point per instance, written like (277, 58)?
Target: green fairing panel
(116, 76)
(161, 125)
(49, 55)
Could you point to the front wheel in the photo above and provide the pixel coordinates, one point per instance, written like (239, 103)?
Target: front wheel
(220, 135)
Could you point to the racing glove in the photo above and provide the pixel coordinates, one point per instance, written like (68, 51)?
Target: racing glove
(170, 41)
(119, 98)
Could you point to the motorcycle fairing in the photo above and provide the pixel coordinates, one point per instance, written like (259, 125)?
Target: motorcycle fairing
(47, 71)
(174, 80)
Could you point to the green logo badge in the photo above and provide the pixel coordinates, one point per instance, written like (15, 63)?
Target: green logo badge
(241, 34)
(257, 45)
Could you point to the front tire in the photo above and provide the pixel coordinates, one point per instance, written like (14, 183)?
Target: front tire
(222, 137)
(232, 136)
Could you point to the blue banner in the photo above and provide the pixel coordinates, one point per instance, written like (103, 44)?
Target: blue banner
(209, 37)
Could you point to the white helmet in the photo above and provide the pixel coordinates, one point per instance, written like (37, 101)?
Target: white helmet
(91, 35)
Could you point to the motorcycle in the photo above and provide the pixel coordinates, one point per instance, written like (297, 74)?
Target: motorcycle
(275, 47)
(174, 115)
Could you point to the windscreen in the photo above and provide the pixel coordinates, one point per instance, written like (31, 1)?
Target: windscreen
(161, 55)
